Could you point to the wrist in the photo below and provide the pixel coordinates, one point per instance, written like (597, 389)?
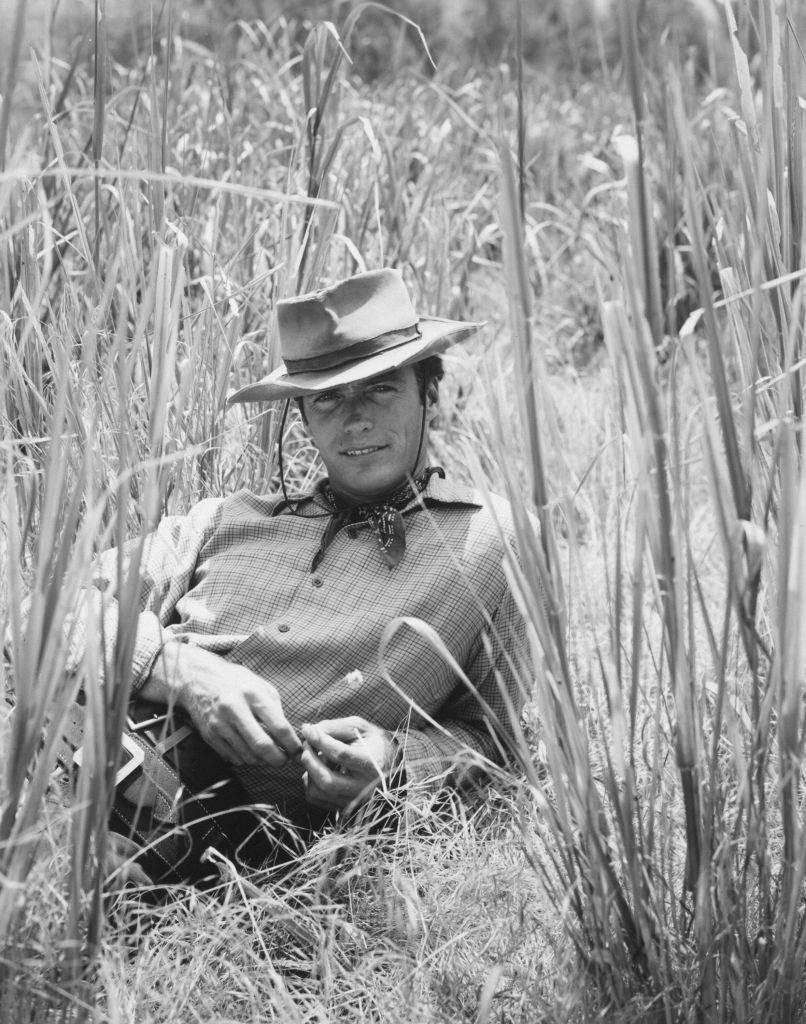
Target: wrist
(395, 769)
(166, 682)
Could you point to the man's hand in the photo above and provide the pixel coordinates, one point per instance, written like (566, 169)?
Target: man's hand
(345, 760)
(121, 869)
(237, 712)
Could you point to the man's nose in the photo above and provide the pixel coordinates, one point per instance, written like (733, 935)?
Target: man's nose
(357, 414)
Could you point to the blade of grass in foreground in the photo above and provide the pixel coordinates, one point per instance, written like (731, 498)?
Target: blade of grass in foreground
(99, 108)
(10, 82)
(519, 294)
(641, 220)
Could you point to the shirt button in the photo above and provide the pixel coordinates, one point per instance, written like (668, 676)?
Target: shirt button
(283, 627)
(352, 533)
(316, 582)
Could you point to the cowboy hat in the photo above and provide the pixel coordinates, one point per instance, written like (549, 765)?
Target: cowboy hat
(358, 328)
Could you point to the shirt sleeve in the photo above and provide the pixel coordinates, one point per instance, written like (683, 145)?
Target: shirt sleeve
(482, 721)
(166, 568)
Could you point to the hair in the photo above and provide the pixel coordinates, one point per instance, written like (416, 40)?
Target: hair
(430, 370)
(427, 372)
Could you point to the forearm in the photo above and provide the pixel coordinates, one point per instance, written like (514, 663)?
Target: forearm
(164, 566)
(452, 755)
(181, 673)
(186, 676)
(165, 683)
(91, 628)
(478, 726)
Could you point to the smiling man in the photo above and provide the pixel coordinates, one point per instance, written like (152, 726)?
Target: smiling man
(270, 619)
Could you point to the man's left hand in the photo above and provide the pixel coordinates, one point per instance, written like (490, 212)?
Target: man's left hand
(345, 760)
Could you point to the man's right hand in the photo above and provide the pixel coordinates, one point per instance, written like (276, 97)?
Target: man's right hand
(237, 712)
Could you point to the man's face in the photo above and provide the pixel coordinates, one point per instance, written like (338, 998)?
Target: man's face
(368, 433)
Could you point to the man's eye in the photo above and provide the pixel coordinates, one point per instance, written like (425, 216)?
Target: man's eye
(325, 398)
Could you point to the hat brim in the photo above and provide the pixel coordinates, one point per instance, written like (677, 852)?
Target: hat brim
(436, 334)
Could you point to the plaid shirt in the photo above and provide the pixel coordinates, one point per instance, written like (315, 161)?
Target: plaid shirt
(234, 577)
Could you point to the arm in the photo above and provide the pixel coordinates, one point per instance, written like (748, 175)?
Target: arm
(443, 754)
(347, 759)
(166, 569)
(236, 711)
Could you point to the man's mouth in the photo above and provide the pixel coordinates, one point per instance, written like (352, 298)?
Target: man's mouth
(368, 450)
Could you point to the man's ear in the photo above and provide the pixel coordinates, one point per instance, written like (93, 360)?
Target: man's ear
(432, 402)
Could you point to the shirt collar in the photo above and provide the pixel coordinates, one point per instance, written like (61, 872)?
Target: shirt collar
(450, 492)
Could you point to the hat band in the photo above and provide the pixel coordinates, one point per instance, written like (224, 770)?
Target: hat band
(361, 350)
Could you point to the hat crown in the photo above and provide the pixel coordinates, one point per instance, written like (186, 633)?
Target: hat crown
(359, 309)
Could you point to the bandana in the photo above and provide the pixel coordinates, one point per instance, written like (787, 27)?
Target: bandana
(385, 518)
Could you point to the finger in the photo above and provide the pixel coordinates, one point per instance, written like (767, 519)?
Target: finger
(272, 719)
(233, 756)
(329, 800)
(327, 779)
(337, 753)
(346, 729)
(247, 737)
(229, 745)
(352, 794)
(259, 747)
(369, 753)
(130, 874)
(121, 869)
(317, 799)
(358, 795)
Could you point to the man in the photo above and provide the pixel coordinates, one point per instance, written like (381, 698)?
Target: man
(269, 619)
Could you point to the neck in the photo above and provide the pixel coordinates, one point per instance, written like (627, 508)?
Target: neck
(353, 500)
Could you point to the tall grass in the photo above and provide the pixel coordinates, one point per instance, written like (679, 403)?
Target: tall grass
(96, 402)
(684, 890)
(662, 578)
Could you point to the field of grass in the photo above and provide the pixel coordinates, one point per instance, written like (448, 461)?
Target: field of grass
(633, 237)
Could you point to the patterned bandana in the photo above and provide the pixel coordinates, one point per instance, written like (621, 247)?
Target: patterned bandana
(385, 517)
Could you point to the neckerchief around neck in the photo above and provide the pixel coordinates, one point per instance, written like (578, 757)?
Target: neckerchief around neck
(385, 518)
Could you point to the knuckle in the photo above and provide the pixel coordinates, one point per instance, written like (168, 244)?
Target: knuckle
(320, 774)
(266, 690)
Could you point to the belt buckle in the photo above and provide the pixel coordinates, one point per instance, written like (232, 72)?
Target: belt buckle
(136, 758)
(147, 723)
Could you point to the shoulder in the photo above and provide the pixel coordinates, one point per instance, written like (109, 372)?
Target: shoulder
(511, 526)
(207, 515)
(178, 528)
(247, 502)
(244, 508)
(488, 523)
(494, 525)
(487, 510)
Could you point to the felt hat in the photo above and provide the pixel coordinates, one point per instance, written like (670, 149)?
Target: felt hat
(358, 328)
